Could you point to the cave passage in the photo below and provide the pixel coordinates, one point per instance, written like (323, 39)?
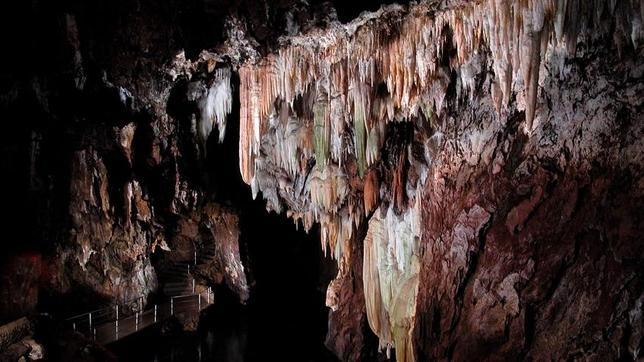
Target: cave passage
(288, 274)
(475, 170)
(285, 317)
(286, 312)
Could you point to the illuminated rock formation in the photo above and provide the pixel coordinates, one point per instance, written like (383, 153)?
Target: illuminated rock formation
(317, 114)
(331, 92)
(390, 275)
(474, 168)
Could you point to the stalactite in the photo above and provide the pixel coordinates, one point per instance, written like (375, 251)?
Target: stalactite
(359, 138)
(387, 66)
(321, 133)
(245, 124)
(216, 105)
(371, 191)
(314, 114)
(390, 278)
(398, 185)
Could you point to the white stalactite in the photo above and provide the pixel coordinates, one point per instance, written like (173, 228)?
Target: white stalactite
(350, 80)
(216, 105)
(328, 95)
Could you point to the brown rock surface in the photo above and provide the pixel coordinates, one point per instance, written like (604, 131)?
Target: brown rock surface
(221, 261)
(511, 134)
(19, 285)
(348, 329)
(538, 258)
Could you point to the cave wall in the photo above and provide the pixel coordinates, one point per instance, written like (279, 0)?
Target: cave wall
(531, 242)
(485, 156)
(107, 169)
(348, 332)
(521, 131)
(105, 105)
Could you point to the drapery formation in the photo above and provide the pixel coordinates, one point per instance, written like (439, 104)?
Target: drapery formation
(329, 95)
(316, 116)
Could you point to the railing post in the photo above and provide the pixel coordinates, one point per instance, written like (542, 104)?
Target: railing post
(195, 256)
(208, 296)
(74, 326)
(155, 313)
(172, 306)
(140, 304)
(193, 285)
(116, 324)
(199, 351)
(136, 321)
(199, 307)
(90, 321)
(94, 333)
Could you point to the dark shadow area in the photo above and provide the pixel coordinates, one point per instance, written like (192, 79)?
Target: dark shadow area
(285, 267)
(285, 317)
(286, 308)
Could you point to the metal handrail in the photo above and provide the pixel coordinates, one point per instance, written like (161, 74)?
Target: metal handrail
(107, 307)
(115, 311)
(120, 324)
(110, 312)
(117, 303)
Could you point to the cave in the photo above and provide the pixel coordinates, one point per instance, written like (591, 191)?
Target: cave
(313, 180)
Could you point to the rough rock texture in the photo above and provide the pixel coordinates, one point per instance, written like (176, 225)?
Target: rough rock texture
(19, 285)
(520, 133)
(109, 246)
(347, 318)
(102, 142)
(223, 263)
(475, 166)
(535, 252)
(15, 331)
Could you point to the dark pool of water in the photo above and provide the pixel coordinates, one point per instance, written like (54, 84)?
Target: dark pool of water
(229, 331)
(285, 318)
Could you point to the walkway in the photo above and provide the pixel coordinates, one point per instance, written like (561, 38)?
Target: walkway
(109, 324)
(113, 323)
